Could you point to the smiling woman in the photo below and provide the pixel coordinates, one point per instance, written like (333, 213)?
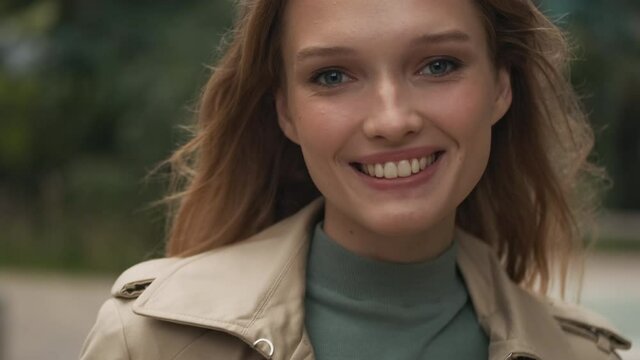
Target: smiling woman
(446, 147)
(418, 86)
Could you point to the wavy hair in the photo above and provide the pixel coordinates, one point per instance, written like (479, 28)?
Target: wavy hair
(238, 173)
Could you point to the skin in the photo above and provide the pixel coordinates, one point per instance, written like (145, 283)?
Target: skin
(370, 77)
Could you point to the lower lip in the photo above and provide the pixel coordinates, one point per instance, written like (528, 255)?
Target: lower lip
(400, 182)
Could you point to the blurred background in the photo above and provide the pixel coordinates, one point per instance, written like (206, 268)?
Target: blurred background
(92, 95)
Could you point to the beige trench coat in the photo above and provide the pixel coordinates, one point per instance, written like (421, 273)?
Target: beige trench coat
(246, 301)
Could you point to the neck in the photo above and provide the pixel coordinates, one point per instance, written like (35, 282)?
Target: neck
(398, 247)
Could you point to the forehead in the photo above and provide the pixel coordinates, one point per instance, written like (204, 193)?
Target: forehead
(353, 22)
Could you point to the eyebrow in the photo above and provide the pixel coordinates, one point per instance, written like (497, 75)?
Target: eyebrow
(319, 51)
(441, 37)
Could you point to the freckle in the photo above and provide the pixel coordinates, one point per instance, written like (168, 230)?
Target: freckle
(350, 232)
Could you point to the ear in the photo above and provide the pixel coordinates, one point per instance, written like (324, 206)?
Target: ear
(284, 117)
(504, 95)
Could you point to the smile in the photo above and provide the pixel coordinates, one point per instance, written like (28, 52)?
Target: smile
(397, 169)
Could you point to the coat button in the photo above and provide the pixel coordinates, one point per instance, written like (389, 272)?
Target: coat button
(269, 344)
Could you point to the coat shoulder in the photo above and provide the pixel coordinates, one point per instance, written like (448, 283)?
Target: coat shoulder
(133, 281)
(120, 333)
(588, 331)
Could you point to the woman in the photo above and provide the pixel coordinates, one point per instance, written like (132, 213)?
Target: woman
(447, 147)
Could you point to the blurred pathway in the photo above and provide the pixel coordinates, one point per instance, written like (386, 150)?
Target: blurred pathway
(47, 317)
(612, 288)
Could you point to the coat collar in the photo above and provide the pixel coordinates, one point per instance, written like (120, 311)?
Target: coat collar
(517, 321)
(255, 290)
(252, 290)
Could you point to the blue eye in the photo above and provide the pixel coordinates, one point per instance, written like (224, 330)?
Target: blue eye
(439, 67)
(330, 78)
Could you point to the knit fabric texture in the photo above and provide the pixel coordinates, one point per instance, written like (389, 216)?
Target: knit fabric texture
(360, 308)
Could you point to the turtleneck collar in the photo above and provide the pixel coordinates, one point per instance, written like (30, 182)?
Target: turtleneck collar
(333, 267)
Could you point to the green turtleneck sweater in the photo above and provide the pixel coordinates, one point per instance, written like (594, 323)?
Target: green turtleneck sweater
(359, 308)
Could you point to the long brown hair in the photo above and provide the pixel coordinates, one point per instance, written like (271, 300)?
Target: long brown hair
(238, 174)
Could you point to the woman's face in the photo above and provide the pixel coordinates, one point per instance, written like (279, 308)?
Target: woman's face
(392, 104)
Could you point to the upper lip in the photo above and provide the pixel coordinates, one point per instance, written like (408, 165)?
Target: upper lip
(397, 155)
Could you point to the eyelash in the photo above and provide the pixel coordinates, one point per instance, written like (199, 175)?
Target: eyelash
(453, 65)
(315, 78)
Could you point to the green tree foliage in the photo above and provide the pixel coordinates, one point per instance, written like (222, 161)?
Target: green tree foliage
(91, 96)
(606, 71)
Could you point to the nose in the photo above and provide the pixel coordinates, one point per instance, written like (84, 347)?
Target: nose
(392, 116)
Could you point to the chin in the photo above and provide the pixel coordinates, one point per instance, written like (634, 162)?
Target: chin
(402, 223)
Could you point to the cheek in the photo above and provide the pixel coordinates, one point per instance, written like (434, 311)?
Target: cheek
(324, 125)
(464, 113)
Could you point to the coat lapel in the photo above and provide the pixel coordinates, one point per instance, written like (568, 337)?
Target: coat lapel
(518, 324)
(252, 290)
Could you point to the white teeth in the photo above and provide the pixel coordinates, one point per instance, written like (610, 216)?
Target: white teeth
(415, 166)
(403, 168)
(371, 169)
(423, 163)
(379, 170)
(390, 170)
